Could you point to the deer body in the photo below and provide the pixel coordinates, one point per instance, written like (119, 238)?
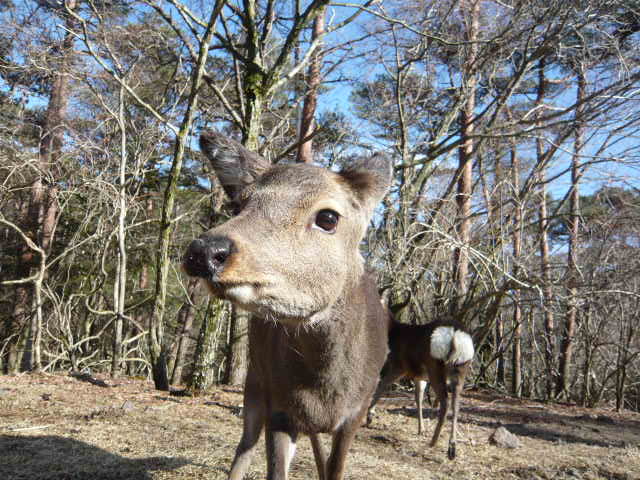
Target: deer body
(435, 352)
(310, 373)
(318, 334)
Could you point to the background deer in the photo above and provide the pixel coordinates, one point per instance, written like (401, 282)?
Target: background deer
(318, 335)
(436, 351)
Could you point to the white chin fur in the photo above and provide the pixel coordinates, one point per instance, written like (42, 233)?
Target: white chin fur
(454, 347)
(258, 301)
(241, 293)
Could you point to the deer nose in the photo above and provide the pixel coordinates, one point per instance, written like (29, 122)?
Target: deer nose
(206, 255)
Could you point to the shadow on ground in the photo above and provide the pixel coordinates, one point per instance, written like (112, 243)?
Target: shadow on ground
(60, 458)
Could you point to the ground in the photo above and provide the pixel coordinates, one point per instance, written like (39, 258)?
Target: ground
(60, 427)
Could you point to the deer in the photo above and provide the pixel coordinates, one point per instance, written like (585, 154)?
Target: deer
(318, 334)
(438, 351)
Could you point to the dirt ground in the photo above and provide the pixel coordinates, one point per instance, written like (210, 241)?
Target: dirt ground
(59, 427)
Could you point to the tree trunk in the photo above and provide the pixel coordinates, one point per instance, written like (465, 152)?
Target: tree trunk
(185, 323)
(587, 371)
(43, 207)
(157, 345)
(516, 357)
(465, 153)
(18, 320)
(500, 367)
(307, 122)
(238, 357)
(143, 282)
(253, 81)
(204, 358)
(254, 91)
(494, 216)
(120, 284)
(547, 293)
(626, 335)
(569, 330)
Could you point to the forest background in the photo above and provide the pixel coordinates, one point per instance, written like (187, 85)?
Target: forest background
(515, 207)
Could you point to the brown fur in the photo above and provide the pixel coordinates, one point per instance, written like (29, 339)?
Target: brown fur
(318, 335)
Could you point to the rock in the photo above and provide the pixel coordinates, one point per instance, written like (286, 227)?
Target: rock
(46, 397)
(503, 438)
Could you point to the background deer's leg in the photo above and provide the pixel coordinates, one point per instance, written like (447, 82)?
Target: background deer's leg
(439, 384)
(419, 387)
(457, 381)
(253, 422)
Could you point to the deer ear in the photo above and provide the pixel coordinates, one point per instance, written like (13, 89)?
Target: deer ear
(369, 178)
(235, 166)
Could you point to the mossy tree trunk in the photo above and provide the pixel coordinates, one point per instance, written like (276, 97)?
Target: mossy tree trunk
(185, 324)
(158, 349)
(202, 375)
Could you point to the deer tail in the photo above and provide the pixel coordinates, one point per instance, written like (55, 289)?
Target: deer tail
(452, 346)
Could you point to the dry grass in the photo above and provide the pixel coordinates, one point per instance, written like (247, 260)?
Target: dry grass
(85, 433)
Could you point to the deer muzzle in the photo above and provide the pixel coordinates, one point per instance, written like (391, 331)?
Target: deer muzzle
(207, 255)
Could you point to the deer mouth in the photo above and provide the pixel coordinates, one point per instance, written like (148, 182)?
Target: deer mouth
(255, 298)
(236, 292)
(246, 295)
(242, 294)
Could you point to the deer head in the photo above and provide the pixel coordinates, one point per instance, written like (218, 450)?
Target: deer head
(292, 248)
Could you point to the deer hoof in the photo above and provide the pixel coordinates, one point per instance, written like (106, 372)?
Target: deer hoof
(368, 421)
(451, 453)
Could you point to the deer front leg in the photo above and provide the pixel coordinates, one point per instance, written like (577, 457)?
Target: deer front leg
(319, 455)
(341, 441)
(281, 446)
(253, 422)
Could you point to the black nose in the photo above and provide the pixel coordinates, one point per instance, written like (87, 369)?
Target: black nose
(206, 255)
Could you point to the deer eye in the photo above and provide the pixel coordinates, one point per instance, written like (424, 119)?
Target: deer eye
(327, 221)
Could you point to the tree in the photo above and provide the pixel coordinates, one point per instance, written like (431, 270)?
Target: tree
(307, 121)
(42, 209)
(471, 14)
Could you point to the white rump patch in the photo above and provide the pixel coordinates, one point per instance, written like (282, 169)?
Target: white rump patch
(453, 347)
(441, 342)
(463, 350)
